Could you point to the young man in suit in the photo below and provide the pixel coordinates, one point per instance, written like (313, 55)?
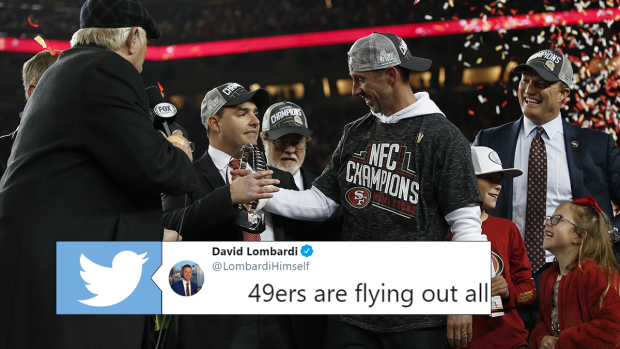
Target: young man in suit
(560, 161)
(185, 287)
(87, 165)
(230, 114)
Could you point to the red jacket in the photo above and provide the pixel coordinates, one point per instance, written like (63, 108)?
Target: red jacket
(582, 323)
(508, 331)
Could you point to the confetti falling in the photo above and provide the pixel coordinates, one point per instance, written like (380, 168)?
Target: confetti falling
(40, 40)
(54, 52)
(161, 89)
(592, 48)
(32, 24)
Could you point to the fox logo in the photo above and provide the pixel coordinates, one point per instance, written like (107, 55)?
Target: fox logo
(358, 197)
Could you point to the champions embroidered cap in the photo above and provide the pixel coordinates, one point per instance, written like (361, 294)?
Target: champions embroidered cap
(284, 118)
(118, 14)
(550, 65)
(486, 161)
(228, 95)
(381, 50)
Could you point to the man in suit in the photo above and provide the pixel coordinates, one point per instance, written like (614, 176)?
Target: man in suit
(185, 287)
(32, 71)
(87, 165)
(578, 162)
(230, 115)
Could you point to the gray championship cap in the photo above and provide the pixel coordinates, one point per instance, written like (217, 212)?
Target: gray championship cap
(284, 118)
(118, 14)
(228, 95)
(550, 65)
(486, 161)
(381, 50)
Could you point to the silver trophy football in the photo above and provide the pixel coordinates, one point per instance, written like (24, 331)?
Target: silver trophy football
(497, 267)
(246, 217)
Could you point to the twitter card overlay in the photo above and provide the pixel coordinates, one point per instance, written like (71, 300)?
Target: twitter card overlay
(107, 277)
(281, 277)
(284, 277)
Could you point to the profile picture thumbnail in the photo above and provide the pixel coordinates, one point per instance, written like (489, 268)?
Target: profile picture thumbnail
(186, 278)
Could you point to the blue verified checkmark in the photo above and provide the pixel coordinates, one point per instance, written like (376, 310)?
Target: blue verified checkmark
(306, 250)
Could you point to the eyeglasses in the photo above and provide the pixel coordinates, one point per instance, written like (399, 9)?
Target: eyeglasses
(282, 145)
(557, 218)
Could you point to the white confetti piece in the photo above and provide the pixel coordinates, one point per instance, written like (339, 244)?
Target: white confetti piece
(481, 99)
(460, 56)
(427, 17)
(466, 64)
(497, 109)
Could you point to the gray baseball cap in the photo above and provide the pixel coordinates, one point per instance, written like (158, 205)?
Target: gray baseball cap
(228, 95)
(381, 50)
(550, 65)
(284, 118)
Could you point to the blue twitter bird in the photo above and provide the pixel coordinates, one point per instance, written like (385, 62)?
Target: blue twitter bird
(112, 285)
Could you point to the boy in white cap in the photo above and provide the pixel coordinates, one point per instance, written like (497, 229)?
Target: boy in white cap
(514, 284)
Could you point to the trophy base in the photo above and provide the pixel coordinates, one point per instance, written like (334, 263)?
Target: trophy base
(249, 222)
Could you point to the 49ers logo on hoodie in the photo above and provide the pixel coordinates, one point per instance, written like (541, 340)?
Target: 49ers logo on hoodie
(358, 197)
(384, 177)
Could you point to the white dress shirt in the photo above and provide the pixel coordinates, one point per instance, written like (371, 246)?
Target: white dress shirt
(187, 286)
(299, 181)
(558, 179)
(221, 161)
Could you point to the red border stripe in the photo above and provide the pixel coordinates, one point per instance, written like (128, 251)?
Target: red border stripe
(279, 42)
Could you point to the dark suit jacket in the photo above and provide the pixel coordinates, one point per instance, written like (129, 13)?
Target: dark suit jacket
(208, 217)
(87, 164)
(593, 164)
(178, 288)
(6, 144)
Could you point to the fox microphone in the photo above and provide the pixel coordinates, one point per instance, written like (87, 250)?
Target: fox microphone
(162, 113)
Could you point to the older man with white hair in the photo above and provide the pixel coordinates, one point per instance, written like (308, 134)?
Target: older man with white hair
(285, 136)
(87, 164)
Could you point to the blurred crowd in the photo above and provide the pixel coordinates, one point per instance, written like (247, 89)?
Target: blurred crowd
(208, 20)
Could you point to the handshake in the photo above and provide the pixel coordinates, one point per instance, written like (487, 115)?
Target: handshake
(246, 186)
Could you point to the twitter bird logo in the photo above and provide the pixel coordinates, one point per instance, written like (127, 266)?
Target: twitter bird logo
(112, 285)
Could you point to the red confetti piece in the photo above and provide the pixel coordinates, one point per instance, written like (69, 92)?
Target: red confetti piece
(479, 87)
(54, 52)
(500, 12)
(500, 35)
(471, 112)
(504, 104)
(416, 1)
(32, 24)
(161, 89)
(469, 81)
(514, 12)
(531, 12)
(472, 8)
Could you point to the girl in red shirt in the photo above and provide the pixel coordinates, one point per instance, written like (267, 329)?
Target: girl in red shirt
(580, 293)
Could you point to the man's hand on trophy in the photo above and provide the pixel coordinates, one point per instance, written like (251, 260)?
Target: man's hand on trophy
(234, 174)
(254, 186)
(177, 139)
(499, 286)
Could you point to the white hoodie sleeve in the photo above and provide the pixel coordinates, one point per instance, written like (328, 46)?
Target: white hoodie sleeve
(465, 223)
(307, 205)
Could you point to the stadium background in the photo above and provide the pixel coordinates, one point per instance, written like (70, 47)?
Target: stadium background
(469, 79)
